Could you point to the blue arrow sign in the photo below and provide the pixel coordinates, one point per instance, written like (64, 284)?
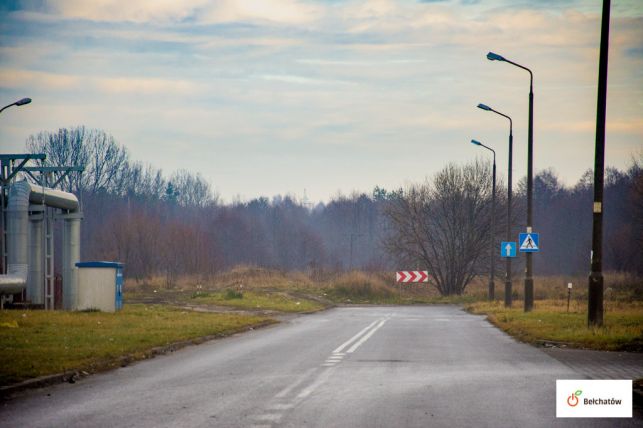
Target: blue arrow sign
(529, 243)
(508, 249)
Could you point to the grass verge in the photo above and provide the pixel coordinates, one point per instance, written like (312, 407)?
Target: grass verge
(37, 343)
(549, 321)
(257, 300)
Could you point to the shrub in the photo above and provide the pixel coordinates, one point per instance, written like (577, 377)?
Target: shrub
(232, 294)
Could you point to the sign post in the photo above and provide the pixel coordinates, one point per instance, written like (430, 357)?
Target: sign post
(569, 295)
(507, 249)
(410, 276)
(529, 242)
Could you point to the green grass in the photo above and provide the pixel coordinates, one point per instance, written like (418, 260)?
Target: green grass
(36, 343)
(257, 300)
(549, 321)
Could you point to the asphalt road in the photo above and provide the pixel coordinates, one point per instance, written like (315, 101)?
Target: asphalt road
(432, 366)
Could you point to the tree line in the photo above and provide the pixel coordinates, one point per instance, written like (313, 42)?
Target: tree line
(175, 225)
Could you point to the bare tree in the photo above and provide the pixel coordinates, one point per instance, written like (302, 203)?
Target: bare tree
(66, 147)
(442, 226)
(108, 162)
(191, 189)
(105, 161)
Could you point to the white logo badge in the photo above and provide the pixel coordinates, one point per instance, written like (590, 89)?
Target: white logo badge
(593, 398)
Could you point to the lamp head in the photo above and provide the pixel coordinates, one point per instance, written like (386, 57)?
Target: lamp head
(477, 143)
(484, 107)
(23, 101)
(494, 57)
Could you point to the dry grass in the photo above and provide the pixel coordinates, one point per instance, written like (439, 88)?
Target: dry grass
(380, 287)
(259, 278)
(248, 277)
(618, 287)
(359, 287)
(258, 289)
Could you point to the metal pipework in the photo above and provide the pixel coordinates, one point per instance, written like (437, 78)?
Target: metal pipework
(71, 256)
(19, 260)
(15, 280)
(35, 278)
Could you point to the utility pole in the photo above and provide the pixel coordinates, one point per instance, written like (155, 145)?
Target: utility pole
(595, 298)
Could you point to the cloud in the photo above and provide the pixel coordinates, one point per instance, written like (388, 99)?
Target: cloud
(391, 79)
(620, 126)
(302, 80)
(44, 81)
(146, 86)
(276, 11)
(14, 78)
(131, 10)
(200, 11)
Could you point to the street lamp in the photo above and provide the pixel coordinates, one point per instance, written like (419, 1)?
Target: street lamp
(17, 103)
(529, 280)
(508, 283)
(492, 286)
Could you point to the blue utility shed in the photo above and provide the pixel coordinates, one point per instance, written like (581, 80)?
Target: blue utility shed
(100, 286)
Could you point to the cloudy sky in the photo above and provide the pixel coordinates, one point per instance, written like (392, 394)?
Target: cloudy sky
(272, 97)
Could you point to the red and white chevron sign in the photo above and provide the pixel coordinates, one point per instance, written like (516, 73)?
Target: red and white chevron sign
(412, 276)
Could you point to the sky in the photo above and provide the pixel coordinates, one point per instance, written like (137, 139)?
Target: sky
(327, 97)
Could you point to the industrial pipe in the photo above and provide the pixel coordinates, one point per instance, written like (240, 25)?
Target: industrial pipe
(17, 225)
(15, 281)
(35, 289)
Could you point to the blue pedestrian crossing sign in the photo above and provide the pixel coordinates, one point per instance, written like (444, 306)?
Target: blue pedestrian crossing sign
(508, 249)
(529, 243)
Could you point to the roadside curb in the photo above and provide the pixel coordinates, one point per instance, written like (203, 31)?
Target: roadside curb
(38, 382)
(72, 376)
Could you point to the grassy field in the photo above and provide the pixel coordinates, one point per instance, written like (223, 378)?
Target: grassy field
(257, 300)
(276, 290)
(376, 288)
(36, 343)
(550, 321)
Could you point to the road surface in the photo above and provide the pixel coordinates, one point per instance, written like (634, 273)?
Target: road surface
(429, 366)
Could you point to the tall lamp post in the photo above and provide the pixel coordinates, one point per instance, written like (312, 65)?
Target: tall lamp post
(3, 185)
(492, 286)
(508, 283)
(529, 279)
(17, 103)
